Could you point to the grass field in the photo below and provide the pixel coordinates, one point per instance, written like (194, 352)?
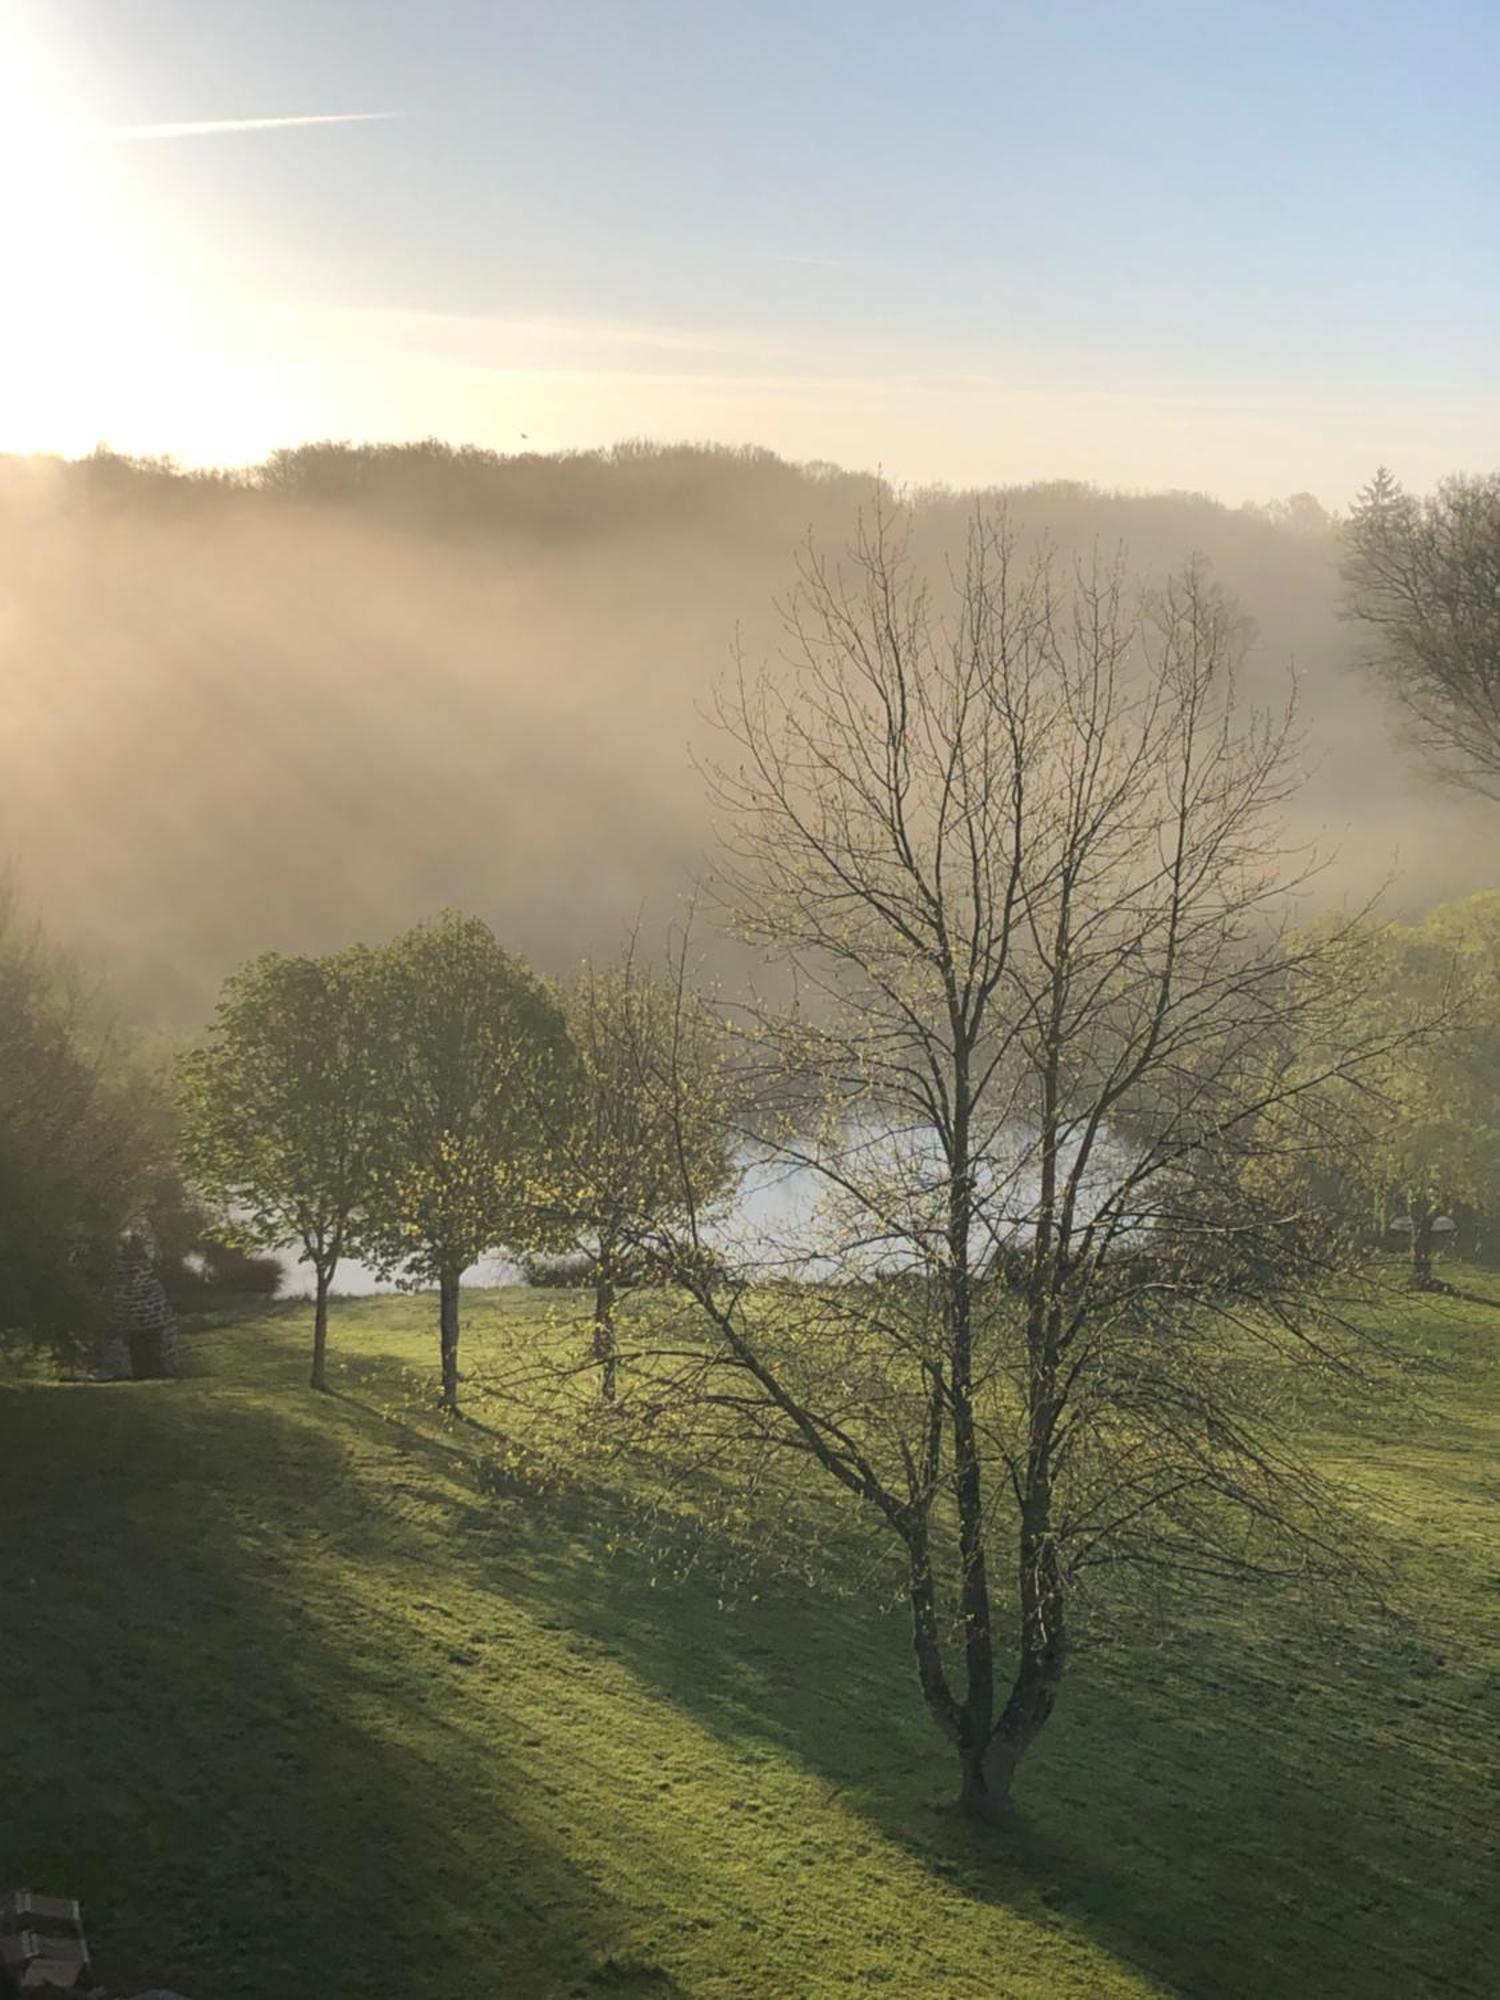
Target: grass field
(299, 1704)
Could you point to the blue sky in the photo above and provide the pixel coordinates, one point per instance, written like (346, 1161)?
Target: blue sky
(1251, 248)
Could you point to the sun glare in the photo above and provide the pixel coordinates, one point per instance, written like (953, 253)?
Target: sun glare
(105, 337)
(60, 264)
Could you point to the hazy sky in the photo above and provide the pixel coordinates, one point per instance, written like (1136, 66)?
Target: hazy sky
(1249, 248)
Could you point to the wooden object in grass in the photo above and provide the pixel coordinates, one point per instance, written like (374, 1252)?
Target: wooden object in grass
(33, 1958)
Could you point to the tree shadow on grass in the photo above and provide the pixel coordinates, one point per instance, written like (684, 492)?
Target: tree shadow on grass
(1470, 1298)
(211, 1742)
(225, 1749)
(1241, 1813)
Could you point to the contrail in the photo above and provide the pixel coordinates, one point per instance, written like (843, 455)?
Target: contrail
(196, 128)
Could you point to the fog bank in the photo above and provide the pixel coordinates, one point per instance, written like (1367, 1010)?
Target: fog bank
(317, 702)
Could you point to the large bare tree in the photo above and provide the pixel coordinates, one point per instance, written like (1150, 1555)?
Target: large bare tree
(1054, 1059)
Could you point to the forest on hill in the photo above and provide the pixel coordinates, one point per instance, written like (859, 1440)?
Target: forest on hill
(311, 702)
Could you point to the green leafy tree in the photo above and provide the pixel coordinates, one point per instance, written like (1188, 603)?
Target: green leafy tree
(477, 1090)
(86, 1145)
(1431, 993)
(282, 1111)
(645, 1149)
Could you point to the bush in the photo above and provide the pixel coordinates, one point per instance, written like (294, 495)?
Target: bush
(229, 1269)
(566, 1270)
(210, 1271)
(574, 1268)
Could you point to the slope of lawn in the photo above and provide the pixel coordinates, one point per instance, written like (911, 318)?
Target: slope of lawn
(303, 1700)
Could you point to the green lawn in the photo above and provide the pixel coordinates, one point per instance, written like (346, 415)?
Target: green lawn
(302, 1702)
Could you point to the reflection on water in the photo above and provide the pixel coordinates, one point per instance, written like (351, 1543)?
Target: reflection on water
(782, 1215)
(356, 1280)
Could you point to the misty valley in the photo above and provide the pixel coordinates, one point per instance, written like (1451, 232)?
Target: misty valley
(920, 1140)
(749, 1001)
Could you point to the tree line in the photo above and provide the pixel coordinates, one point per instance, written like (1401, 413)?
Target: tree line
(421, 1105)
(422, 612)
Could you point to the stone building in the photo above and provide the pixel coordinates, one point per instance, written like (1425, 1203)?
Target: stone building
(142, 1337)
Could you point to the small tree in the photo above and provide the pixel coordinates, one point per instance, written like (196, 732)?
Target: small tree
(1432, 992)
(1424, 578)
(476, 1089)
(1022, 854)
(645, 1149)
(282, 1110)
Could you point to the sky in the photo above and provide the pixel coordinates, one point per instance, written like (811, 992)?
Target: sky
(1247, 249)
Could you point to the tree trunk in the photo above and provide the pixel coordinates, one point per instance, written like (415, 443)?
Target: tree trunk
(448, 1334)
(988, 1759)
(320, 1329)
(985, 1780)
(988, 1769)
(968, 1476)
(606, 1352)
(926, 1644)
(984, 1774)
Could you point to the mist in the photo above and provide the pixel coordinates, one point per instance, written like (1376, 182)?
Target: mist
(317, 701)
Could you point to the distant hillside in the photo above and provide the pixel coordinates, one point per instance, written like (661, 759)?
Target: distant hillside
(317, 700)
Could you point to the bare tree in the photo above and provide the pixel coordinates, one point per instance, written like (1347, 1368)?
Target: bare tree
(1424, 577)
(1053, 1055)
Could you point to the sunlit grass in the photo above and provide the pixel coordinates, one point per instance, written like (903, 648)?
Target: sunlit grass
(304, 1697)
